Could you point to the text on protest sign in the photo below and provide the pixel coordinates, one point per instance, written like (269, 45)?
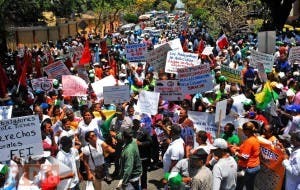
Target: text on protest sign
(207, 51)
(148, 102)
(157, 57)
(74, 86)
(136, 52)
(174, 45)
(56, 70)
(116, 94)
(204, 121)
(266, 59)
(232, 75)
(195, 79)
(20, 137)
(176, 60)
(294, 54)
(42, 84)
(169, 90)
(5, 112)
(98, 85)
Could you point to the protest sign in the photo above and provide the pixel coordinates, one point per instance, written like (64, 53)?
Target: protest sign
(56, 70)
(20, 137)
(5, 112)
(169, 90)
(207, 51)
(176, 60)
(136, 52)
(203, 121)
(174, 45)
(98, 85)
(195, 79)
(271, 174)
(266, 59)
(116, 94)
(294, 54)
(266, 41)
(232, 75)
(74, 86)
(261, 72)
(42, 84)
(157, 57)
(82, 73)
(220, 110)
(148, 102)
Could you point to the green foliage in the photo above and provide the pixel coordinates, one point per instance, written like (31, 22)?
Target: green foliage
(164, 5)
(131, 18)
(173, 3)
(201, 14)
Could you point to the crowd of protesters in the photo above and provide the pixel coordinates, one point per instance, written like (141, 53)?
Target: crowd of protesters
(76, 131)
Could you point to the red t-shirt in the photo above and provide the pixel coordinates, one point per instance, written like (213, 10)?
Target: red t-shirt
(50, 183)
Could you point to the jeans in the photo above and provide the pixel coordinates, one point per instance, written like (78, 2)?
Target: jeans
(248, 179)
(145, 164)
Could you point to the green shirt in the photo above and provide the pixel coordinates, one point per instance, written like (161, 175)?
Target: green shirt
(131, 166)
(234, 139)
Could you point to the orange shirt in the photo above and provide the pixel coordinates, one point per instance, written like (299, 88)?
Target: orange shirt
(249, 150)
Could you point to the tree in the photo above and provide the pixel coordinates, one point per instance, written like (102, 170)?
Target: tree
(164, 5)
(131, 18)
(142, 6)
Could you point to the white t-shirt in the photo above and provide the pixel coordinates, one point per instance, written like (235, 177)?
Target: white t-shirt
(293, 125)
(175, 151)
(97, 154)
(94, 125)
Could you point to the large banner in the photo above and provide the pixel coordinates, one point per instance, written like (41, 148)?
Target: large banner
(266, 59)
(271, 175)
(20, 137)
(232, 75)
(294, 54)
(116, 94)
(5, 112)
(148, 102)
(195, 79)
(136, 52)
(74, 86)
(157, 57)
(176, 60)
(42, 84)
(169, 90)
(56, 70)
(204, 121)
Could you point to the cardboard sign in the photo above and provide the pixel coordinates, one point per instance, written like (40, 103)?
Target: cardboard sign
(116, 94)
(195, 79)
(207, 51)
(42, 84)
(176, 60)
(220, 110)
(174, 45)
(148, 102)
(20, 137)
(232, 75)
(261, 72)
(5, 112)
(266, 41)
(56, 70)
(157, 57)
(294, 54)
(203, 121)
(169, 90)
(98, 85)
(266, 59)
(74, 86)
(136, 52)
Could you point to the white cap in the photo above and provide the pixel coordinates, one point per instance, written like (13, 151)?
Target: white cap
(219, 143)
(44, 155)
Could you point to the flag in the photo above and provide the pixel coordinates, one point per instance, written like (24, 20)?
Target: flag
(3, 82)
(38, 67)
(22, 78)
(201, 47)
(86, 54)
(222, 42)
(103, 46)
(18, 66)
(264, 98)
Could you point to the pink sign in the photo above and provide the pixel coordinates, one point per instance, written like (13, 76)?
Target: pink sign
(74, 86)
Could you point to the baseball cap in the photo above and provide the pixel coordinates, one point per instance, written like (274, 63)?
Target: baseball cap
(219, 143)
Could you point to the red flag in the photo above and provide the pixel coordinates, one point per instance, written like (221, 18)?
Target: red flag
(3, 82)
(86, 54)
(18, 66)
(185, 46)
(38, 67)
(201, 47)
(222, 42)
(68, 63)
(103, 46)
(29, 65)
(22, 79)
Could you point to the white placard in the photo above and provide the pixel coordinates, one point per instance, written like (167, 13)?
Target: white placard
(74, 86)
(20, 137)
(136, 52)
(294, 54)
(169, 90)
(5, 112)
(220, 110)
(266, 59)
(176, 60)
(42, 84)
(116, 94)
(157, 57)
(56, 70)
(207, 51)
(98, 85)
(174, 44)
(204, 121)
(266, 41)
(148, 102)
(261, 72)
